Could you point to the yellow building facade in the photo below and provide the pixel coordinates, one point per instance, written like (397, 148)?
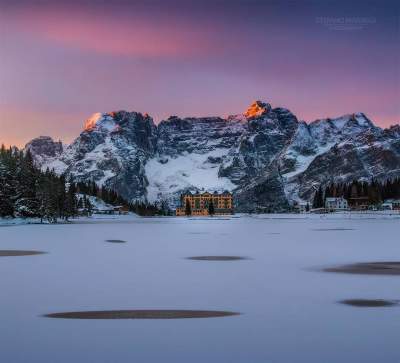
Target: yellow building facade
(199, 204)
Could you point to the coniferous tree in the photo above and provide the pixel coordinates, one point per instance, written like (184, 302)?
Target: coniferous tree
(6, 205)
(26, 191)
(80, 203)
(89, 207)
(71, 202)
(372, 192)
(318, 201)
(26, 203)
(211, 209)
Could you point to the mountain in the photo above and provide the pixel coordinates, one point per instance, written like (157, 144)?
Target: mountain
(44, 149)
(266, 157)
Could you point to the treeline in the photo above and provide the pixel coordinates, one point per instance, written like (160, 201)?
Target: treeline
(111, 197)
(374, 192)
(148, 209)
(28, 192)
(107, 195)
(25, 191)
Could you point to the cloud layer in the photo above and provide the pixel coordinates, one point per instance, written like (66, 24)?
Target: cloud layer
(61, 61)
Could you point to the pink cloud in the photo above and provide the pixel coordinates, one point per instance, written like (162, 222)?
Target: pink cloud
(113, 33)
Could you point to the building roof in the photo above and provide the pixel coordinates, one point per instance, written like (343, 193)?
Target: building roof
(334, 199)
(197, 193)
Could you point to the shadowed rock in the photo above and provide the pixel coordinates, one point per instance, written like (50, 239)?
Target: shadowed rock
(115, 241)
(141, 314)
(369, 303)
(368, 268)
(8, 253)
(217, 258)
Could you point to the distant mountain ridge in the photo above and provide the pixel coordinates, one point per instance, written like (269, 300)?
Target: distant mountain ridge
(266, 157)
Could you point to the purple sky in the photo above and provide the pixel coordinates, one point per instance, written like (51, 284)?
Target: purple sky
(61, 61)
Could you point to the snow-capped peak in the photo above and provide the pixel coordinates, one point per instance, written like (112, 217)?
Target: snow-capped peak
(100, 120)
(265, 156)
(91, 122)
(362, 120)
(257, 108)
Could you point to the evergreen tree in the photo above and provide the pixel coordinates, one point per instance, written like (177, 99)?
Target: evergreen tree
(211, 209)
(373, 192)
(318, 201)
(6, 204)
(71, 202)
(26, 203)
(80, 203)
(26, 191)
(89, 207)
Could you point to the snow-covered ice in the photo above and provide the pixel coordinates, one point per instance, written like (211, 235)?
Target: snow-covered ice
(289, 308)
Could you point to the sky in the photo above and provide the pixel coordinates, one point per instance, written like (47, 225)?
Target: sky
(61, 61)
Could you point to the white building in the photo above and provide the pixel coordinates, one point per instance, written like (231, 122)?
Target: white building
(303, 207)
(391, 204)
(333, 204)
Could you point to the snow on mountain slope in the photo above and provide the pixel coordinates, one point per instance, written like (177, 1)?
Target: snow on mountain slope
(112, 151)
(266, 157)
(192, 171)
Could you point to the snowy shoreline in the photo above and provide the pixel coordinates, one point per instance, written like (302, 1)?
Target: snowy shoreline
(100, 218)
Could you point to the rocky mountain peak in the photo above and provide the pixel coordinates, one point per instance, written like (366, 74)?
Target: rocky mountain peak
(91, 122)
(44, 147)
(361, 120)
(265, 156)
(100, 121)
(118, 122)
(257, 108)
(394, 130)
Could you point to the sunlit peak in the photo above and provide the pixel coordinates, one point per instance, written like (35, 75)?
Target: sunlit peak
(257, 108)
(91, 122)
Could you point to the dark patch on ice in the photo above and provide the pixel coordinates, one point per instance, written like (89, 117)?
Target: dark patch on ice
(141, 314)
(332, 229)
(210, 219)
(199, 232)
(283, 218)
(115, 241)
(368, 268)
(273, 233)
(7, 253)
(217, 258)
(369, 303)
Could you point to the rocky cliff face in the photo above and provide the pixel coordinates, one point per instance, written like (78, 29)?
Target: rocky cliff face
(44, 148)
(266, 156)
(112, 150)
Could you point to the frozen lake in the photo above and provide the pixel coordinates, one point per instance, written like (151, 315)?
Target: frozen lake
(289, 310)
